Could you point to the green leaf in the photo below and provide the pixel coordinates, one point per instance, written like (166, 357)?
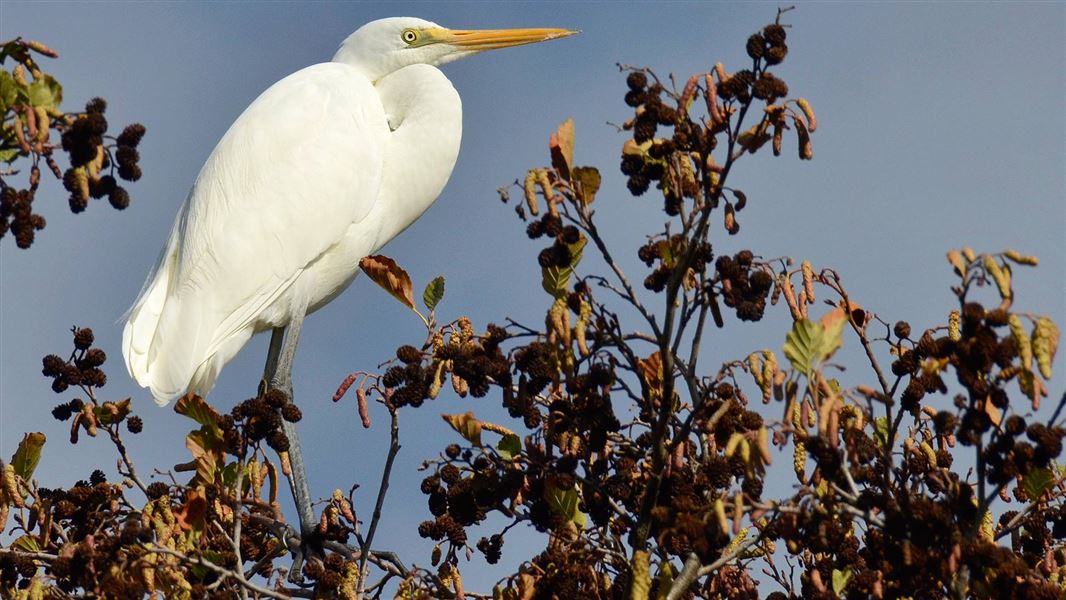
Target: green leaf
(467, 426)
(589, 180)
(8, 155)
(556, 280)
(802, 345)
(57, 90)
(881, 428)
(810, 343)
(509, 447)
(433, 293)
(566, 503)
(1036, 482)
(229, 474)
(840, 580)
(45, 92)
(27, 543)
(213, 556)
(8, 91)
(28, 455)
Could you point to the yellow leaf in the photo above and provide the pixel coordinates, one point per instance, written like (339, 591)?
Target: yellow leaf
(467, 426)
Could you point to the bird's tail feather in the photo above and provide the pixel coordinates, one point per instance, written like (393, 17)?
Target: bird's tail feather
(161, 333)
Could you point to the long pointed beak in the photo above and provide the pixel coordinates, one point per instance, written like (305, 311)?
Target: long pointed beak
(477, 40)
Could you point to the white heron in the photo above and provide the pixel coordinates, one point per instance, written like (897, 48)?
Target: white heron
(321, 170)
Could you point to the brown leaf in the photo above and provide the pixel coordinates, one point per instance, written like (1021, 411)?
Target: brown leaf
(562, 148)
(994, 414)
(393, 279)
(652, 370)
(196, 408)
(205, 456)
(192, 515)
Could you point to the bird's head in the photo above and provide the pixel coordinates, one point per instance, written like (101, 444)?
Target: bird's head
(386, 45)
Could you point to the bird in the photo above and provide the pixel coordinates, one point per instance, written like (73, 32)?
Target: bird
(321, 170)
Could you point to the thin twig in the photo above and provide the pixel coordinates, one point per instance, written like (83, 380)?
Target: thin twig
(394, 448)
(224, 572)
(131, 470)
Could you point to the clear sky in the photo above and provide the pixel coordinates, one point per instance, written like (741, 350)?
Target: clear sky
(940, 124)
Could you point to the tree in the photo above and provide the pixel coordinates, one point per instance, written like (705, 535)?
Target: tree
(644, 468)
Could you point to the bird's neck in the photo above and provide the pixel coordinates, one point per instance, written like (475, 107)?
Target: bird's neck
(425, 115)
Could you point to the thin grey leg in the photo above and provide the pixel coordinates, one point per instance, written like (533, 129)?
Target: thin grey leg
(278, 373)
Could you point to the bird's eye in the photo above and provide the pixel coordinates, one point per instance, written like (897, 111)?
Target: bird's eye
(409, 35)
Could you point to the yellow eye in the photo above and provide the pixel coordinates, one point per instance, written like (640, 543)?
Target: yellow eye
(409, 35)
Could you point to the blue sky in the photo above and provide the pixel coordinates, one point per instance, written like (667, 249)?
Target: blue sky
(940, 124)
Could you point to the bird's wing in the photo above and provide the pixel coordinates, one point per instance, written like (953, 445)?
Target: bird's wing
(296, 169)
(300, 165)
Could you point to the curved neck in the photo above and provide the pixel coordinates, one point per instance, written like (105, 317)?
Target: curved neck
(425, 115)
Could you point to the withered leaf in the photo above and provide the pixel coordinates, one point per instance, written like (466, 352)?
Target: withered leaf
(192, 516)
(561, 145)
(652, 371)
(389, 276)
(197, 409)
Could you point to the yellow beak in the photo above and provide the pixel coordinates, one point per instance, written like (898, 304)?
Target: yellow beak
(477, 40)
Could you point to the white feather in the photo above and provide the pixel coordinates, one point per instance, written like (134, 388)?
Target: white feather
(321, 170)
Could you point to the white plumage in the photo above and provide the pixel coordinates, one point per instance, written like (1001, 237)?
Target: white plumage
(321, 170)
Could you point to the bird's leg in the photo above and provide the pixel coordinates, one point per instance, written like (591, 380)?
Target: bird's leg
(278, 375)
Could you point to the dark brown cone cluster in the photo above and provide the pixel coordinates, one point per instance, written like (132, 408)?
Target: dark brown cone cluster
(81, 369)
(17, 216)
(744, 287)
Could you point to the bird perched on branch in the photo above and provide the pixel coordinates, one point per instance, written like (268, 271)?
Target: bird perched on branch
(324, 168)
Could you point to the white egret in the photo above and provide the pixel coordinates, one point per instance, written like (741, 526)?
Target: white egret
(321, 170)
